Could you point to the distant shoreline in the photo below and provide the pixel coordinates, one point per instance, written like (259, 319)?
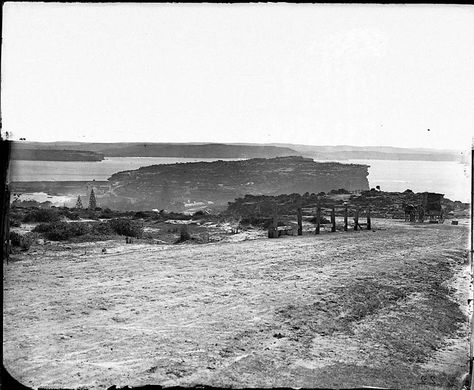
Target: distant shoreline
(88, 151)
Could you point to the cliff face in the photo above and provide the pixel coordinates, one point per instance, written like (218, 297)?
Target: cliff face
(219, 182)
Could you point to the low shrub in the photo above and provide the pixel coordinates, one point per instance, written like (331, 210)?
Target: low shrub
(107, 213)
(42, 215)
(73, 216)
(102, 228)
(126, 227)
(43, 228)
(172, 215)
(90, 214)
(339, 191)
(22, 241)
(141, 214)
(14, 222)
(62, 231)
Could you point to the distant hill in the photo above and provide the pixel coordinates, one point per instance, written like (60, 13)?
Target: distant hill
(135, 149)
(347, 152)
(243, 150)
(198, 151)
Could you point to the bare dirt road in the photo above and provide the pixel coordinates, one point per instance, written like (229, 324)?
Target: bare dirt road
(377, 308)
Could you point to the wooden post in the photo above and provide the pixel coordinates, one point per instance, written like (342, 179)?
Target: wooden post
(333, 220)
(6, 225)
(369, 224)
(345, 218)
(273, 231)
(356, 219)
(300, 221)
(318, 220)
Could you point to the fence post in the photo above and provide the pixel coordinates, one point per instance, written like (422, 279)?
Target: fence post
(369, 224)
(274, 224)
(356, 219)
(333, 220)
(345, 218)
(300, 220)
(318, 220)
(274, 232)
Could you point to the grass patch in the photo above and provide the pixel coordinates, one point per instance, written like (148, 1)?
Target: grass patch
(342, 308)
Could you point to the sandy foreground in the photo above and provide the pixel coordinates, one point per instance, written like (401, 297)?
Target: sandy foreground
(345, 309)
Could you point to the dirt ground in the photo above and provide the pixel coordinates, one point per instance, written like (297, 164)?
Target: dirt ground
(376, 308)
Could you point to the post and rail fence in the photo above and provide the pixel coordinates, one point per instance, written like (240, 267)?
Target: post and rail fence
(276, 231)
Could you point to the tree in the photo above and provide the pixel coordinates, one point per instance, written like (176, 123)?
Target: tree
(79, 203)
(92, 201)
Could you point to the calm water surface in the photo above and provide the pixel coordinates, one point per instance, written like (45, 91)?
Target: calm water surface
(23, 170)
(447, 177)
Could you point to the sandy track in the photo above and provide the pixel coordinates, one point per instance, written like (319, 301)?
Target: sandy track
(341, 309)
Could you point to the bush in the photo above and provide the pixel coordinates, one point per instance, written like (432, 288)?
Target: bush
(102, 228)
(339, 191)
(126, 227)
(42, 215)
(43, 228)
(74, 216)
(62, 231)
(141, 214)
(22, 241)
(15, 222)
(108, 213)
(89, 214)
(198, 214)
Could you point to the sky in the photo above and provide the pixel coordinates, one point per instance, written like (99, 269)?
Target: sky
(394, 75)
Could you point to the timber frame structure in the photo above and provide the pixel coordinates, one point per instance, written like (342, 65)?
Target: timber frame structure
(274, 231)
(430, 207)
